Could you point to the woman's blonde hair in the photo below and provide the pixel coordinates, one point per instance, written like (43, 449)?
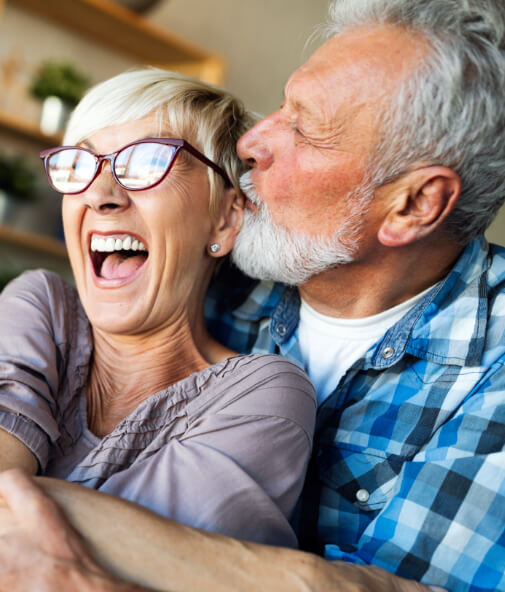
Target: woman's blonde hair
(208, 117)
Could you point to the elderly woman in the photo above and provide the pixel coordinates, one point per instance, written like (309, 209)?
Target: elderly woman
(117, 385)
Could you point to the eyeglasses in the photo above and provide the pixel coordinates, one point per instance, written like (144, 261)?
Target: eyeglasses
(137, 166)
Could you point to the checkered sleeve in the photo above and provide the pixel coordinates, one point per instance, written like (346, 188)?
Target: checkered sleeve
(443, 520)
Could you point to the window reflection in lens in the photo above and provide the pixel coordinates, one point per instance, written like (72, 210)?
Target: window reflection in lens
(143, 165)
(71, 170)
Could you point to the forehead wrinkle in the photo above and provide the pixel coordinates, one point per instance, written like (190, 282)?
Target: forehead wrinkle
(324, 123)
(292, 96)
(309, 108)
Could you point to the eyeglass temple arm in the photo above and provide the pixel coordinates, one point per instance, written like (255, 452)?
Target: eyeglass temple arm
(207, 161)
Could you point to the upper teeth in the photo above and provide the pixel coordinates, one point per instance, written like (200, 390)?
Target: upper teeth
(110, 244)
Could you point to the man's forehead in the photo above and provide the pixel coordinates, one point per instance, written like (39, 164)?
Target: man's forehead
(305, 101)
(372, 59)
(323, 85)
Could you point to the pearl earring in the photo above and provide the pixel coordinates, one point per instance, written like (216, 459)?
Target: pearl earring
(214, 247)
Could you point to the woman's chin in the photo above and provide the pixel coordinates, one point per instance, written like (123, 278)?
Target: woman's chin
(115, 319)
(116, 304)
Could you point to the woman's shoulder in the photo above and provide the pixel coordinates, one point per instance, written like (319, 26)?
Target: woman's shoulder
(263, 385)
(41, 284)
(268, 367)
(42, 296)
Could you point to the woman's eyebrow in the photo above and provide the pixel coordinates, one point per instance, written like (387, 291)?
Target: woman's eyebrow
(88, 144)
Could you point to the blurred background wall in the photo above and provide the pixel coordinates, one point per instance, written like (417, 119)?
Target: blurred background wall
(256, 45)
(262, 41)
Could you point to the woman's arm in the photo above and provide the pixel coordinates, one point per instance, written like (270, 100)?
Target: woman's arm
(39, 314)
(15, 454)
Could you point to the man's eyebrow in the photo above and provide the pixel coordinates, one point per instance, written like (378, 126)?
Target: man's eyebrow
(287, 96)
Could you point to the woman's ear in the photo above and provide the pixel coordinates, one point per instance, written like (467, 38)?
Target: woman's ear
(227, 224)
(417, 204)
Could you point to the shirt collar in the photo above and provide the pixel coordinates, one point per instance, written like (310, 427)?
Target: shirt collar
(457, 316)
(261, 301)
(447, 326)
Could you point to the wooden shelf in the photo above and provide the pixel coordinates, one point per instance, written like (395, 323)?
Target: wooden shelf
(29, 240)
(119, 28)
(12, 122)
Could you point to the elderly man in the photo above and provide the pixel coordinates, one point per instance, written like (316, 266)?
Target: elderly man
(370, 189)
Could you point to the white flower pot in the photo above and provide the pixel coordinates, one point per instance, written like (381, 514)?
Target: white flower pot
(54, 115)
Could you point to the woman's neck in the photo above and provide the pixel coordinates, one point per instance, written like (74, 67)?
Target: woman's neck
(127, 370)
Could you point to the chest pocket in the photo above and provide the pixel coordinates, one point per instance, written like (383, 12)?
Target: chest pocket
(365, 477)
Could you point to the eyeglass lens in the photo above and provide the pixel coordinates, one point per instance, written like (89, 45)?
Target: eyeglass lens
(136, 167)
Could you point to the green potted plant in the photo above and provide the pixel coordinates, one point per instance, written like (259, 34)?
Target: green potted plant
(17, 185)
(60, 85)
(59, 79)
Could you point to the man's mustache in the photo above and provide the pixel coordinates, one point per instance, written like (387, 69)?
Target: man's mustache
(249, 190)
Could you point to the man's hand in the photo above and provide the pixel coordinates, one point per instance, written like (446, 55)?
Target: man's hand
(39, 550)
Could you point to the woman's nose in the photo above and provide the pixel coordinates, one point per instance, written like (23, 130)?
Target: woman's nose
(254, 146)
(104, 194)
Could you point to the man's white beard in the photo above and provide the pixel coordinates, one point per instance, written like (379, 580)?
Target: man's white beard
(268, 251)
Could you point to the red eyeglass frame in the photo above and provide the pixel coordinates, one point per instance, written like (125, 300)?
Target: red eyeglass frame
(101, 158)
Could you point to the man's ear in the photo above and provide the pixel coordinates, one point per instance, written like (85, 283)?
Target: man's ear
(418, 203)
(227, 224)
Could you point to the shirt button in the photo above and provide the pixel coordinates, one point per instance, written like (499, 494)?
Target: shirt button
(362, 496)
(281, 329)
(387, 352)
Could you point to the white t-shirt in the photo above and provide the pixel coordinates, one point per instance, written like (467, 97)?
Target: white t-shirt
(330, 346)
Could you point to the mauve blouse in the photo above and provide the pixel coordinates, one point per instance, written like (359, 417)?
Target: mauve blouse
(224, 449)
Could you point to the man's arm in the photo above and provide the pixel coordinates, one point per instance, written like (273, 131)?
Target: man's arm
(40, 550)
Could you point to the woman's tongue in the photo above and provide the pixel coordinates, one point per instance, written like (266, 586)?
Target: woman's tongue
(118, 266)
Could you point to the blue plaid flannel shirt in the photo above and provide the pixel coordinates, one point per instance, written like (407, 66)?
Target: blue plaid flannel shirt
(408, 469)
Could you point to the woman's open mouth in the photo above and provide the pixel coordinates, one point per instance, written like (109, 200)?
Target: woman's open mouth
(117, 256)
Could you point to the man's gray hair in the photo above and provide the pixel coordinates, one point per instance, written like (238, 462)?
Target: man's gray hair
(451, 110)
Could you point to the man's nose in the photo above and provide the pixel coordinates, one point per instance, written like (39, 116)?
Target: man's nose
(105, 195)
(254, 146)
